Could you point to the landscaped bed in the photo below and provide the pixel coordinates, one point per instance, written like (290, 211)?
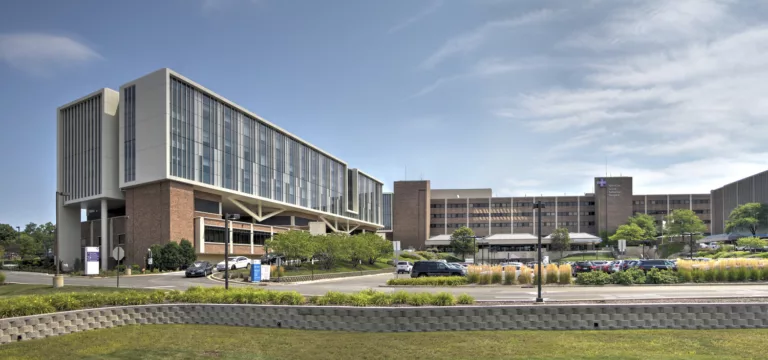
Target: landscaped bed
(43, 304)
(227, 342)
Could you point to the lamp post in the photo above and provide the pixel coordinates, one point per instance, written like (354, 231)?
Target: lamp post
(58, 280)
(227, 217)
(538, 206)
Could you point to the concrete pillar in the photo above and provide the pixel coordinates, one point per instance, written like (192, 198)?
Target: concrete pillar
(68, 233)
(104, 253)
(252, 237)
(201, 234)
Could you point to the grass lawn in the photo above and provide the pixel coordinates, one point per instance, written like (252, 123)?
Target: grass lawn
(342, 267)
(26, 289)
(225, 342)
(588, 257)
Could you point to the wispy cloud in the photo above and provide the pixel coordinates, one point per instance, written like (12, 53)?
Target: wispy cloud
(431, 8)
(42, 54)
(471, 40)
(486, 68)
(212, 6)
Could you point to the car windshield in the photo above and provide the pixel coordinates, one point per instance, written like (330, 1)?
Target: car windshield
(402, 263)
(198, 264)
(232, 259)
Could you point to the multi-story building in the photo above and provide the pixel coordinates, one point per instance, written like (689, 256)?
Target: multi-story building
(386, 211)
(748, 190)
(164, 158)
(422, 213)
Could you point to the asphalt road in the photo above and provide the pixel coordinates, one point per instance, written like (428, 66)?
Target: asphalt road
(177, 281)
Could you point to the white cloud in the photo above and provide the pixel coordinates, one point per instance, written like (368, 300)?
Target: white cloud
(654, 22)
(431, 8)
(469, 41)
(41, 54)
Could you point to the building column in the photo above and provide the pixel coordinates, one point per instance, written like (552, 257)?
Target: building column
(490, 215)
(668, 205)
(645, 202)
(252, 235)
(690, 202)
(90, 234)
(104, 235)
(467, 212)
(68, 233)
(578, 214)
(445, 216)
(557, 224)
(512, 215)
(201, 234)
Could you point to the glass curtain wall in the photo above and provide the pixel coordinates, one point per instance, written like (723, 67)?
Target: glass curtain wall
(216, 144)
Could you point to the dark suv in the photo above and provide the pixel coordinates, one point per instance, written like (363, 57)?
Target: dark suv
(582, 266)
(435, 268)
(646, 265)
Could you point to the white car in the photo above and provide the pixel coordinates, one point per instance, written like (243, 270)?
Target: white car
(404, 267)
(235, 262)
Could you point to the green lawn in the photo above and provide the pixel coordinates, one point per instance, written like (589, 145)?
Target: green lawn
(26, 289)
(224, 342)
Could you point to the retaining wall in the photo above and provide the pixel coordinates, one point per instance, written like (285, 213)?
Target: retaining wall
(397, 319)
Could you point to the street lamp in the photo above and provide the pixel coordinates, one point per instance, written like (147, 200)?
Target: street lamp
(58, 281)
(538, 206)
(227, 217)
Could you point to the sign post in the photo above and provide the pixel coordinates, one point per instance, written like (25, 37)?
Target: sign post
(92, 258)
(118, 254)
(396, 249)
(255, 270)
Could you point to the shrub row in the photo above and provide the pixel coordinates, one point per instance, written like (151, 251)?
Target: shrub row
(628, 277)
(42, 304)
(377, 298)
(430, 281)
(551, 274)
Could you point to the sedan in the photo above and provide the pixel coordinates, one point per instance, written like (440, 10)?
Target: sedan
(199, 268)
(235, 262)
(582, 266)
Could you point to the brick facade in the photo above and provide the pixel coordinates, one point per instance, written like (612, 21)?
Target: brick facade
(410, 218)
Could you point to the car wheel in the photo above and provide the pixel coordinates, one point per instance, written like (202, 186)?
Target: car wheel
(420, 275)
(234, 267)
(247, 266)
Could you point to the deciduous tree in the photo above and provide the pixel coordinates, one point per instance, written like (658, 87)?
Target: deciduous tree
(751, 243)
(647, 223)
(463, 242)
(683, 221)
(630, 232)
(560, 240)
(294, 244)
(750, 216)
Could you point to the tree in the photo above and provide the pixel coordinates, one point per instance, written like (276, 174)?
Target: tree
(294, 244)
(633, 233)
(751, 216)
(560, 240)
(463, 242)
(157, 255)
(330, 249)
(187, 252)
(379, 247)
(8, 234)
(752, 243)
(647, 223)
(29, 247)
(171, 257)
(357, 248)
(683, 221)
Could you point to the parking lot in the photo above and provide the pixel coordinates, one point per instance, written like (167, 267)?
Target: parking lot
(177, 281)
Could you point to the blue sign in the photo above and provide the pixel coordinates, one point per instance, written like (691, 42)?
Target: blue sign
(255, 270)
(602, 183)
(92, 256)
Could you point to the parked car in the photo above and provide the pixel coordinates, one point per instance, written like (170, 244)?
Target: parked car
(647, 265)
(199, 268)
(516, 265)
(582, 266)
(435, 268)
(627, 264)
(460, 265)
(404, 267)
(235, 262)
(616, 266)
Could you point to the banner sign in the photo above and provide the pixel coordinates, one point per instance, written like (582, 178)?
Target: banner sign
(255, 270)
(92, 260)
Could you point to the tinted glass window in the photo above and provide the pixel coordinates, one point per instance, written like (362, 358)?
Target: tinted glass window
(207, 206)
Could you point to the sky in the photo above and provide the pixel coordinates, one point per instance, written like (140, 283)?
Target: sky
(524, 97)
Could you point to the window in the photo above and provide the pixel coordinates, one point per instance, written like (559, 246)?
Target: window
(456, 206)
(214, 234)
(207, 206)
(523, 204)
(436, 206)
(658, 202)
(479, 205)
(587, 203)
(129, 147)
(638, 202)
(701, 211)
(701, 201)
(120, 240)
(240, 236)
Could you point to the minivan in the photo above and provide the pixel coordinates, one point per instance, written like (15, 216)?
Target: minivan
(435, 268)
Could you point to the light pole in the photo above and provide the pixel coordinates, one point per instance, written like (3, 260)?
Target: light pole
(538, 206)
(58, 280)
(227, 217)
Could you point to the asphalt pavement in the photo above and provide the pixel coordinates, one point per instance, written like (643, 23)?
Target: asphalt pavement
(177, 281)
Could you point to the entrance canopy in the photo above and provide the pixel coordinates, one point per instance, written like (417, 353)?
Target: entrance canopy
(581, 238)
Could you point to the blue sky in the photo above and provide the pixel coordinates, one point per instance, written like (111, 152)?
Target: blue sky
(525, 97)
